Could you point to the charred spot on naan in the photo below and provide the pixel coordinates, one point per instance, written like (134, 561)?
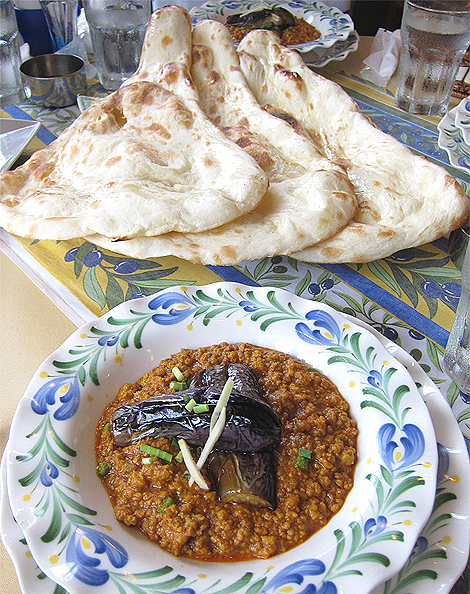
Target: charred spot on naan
(283, 115)
(252, 144)
(166, 41)
(42, 170)
(159, 130)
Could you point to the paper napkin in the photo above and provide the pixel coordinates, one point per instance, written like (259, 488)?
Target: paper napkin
(383, 59)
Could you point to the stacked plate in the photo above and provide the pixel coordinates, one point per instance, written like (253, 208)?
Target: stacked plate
(405, 521)
(454, 135)
(337, 36)
(14, 137)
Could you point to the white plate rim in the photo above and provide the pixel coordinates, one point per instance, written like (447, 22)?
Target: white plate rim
(462, 118)
(336, 53)
(12, 128)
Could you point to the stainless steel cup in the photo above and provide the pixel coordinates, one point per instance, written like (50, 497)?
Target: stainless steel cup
(54, 80)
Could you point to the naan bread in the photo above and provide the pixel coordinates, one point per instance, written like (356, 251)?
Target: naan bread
(405, 200)
(143, 161)
(309, 198)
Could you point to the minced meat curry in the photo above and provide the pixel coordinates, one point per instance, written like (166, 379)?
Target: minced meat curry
(155, 495)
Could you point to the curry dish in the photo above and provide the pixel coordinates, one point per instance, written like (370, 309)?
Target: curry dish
(301, 32)
(186, 520)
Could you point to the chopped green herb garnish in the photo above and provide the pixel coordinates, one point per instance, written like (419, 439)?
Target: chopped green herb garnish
(301, 462)
(178, 373)
(201, 408)
(156, 452)
(191, 404)
(147, 460)
(166, 503)
(108, 427)
(305, 453)
(187, 474)
(179, 456)
(174, 442)
(186, 398)
(103, 469)
(178, 385)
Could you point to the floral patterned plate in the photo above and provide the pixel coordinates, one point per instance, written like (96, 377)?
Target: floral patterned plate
(451, 139)
(441, 551)
(63, 510)
(328, 20)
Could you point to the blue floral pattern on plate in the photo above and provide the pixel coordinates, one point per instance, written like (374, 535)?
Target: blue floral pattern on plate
(328, 20)
(64, 513)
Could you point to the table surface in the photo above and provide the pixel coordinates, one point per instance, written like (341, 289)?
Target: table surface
(24, 305)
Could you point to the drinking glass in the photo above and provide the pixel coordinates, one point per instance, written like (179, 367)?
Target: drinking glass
(117, 29)
(11, 88)
(61, 19)
(435, 35)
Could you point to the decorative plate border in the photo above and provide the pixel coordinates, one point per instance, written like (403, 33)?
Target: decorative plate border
(441, 551)
(333, 24)
(71, 541)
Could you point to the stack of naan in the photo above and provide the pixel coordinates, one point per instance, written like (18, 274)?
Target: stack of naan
(219, 155)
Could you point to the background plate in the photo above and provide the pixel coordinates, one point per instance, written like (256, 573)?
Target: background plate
(329, 21)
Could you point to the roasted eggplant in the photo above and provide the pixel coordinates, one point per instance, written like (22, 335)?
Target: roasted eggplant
(243, 478)
(274, 19)
(244, 379)
(251, 424)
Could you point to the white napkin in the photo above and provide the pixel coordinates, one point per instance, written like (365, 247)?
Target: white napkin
(382, 61)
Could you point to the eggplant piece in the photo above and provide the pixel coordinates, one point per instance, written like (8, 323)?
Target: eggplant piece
(251, 423)
(274, 19)
(243, 478)
(244, 380)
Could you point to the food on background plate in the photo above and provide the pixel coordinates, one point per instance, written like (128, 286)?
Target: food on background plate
(290, 29)
(404, 200)
(309, 197)
(259, 493)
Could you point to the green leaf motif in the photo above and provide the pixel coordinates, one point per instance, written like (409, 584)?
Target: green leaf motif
(93, 288)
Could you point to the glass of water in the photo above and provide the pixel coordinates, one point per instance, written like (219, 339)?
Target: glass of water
(11, 87)
(117, 29)
(435, 34)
